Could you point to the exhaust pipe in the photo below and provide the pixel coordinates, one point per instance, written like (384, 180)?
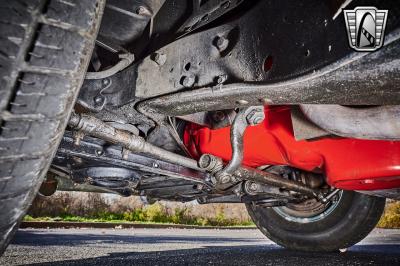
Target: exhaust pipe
(375, 122)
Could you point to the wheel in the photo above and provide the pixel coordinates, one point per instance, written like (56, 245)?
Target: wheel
(313, 226)
(45, 48)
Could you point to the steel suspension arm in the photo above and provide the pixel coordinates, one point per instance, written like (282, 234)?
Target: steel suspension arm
(245, 173)
(95, 127)
(210, 162)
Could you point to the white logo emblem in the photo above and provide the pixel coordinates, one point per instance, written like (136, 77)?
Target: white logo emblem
(365, 28)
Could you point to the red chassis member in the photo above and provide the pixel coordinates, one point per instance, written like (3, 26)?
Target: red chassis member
(351, 164)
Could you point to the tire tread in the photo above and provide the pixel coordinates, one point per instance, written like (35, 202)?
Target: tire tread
(44, 51)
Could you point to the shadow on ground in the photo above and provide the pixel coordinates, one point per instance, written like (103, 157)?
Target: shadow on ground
(32, 238)
(246, 255)
(266, 254)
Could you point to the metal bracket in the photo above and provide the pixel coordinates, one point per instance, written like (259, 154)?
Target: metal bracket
(249, 116)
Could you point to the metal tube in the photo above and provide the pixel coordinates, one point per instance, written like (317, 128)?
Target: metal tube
(262, 177)
(97, 128)
(373, 122)
(126, 60)
(238, 128)
(249, 116)
(330, 195)
(210, 163)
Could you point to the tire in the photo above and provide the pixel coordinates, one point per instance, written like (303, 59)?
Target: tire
(350, 220)
(45, 48)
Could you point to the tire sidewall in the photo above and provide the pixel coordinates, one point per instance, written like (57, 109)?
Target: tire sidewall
(353, 218)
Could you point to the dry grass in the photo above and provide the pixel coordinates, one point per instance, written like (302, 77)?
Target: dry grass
(76, 206)
(391, 216)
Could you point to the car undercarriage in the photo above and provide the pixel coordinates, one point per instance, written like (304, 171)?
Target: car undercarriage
(220, 101)
(161, 87)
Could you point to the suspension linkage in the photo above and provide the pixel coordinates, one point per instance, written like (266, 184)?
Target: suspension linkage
(210, 162)
(96, 128)
(249, 116)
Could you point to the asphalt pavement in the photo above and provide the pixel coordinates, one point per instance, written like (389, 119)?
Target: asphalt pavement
(140, 246)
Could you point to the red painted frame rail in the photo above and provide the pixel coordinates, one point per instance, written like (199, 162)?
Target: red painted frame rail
(351, 164)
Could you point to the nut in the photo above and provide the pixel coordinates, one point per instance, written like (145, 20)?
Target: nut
(159, 58)
(188, 81)
(221, 79)
(253, 187)
(210, 163)
(255, 116)
(224, 178)
(221, 43)
(218, 116)
(141, 10)
(98, 100)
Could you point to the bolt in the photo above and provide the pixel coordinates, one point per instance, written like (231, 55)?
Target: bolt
(141, 10)
(222, 78)
(255, 116)
(155, 165)
(159, 58)
(98, 100)
(253, 187)
(188, 81)
(225, 179)
(206, 162)
(221, 43)
(218, 116)
(225, 5)
(99, 152)
(210, 163)
(105, 82)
